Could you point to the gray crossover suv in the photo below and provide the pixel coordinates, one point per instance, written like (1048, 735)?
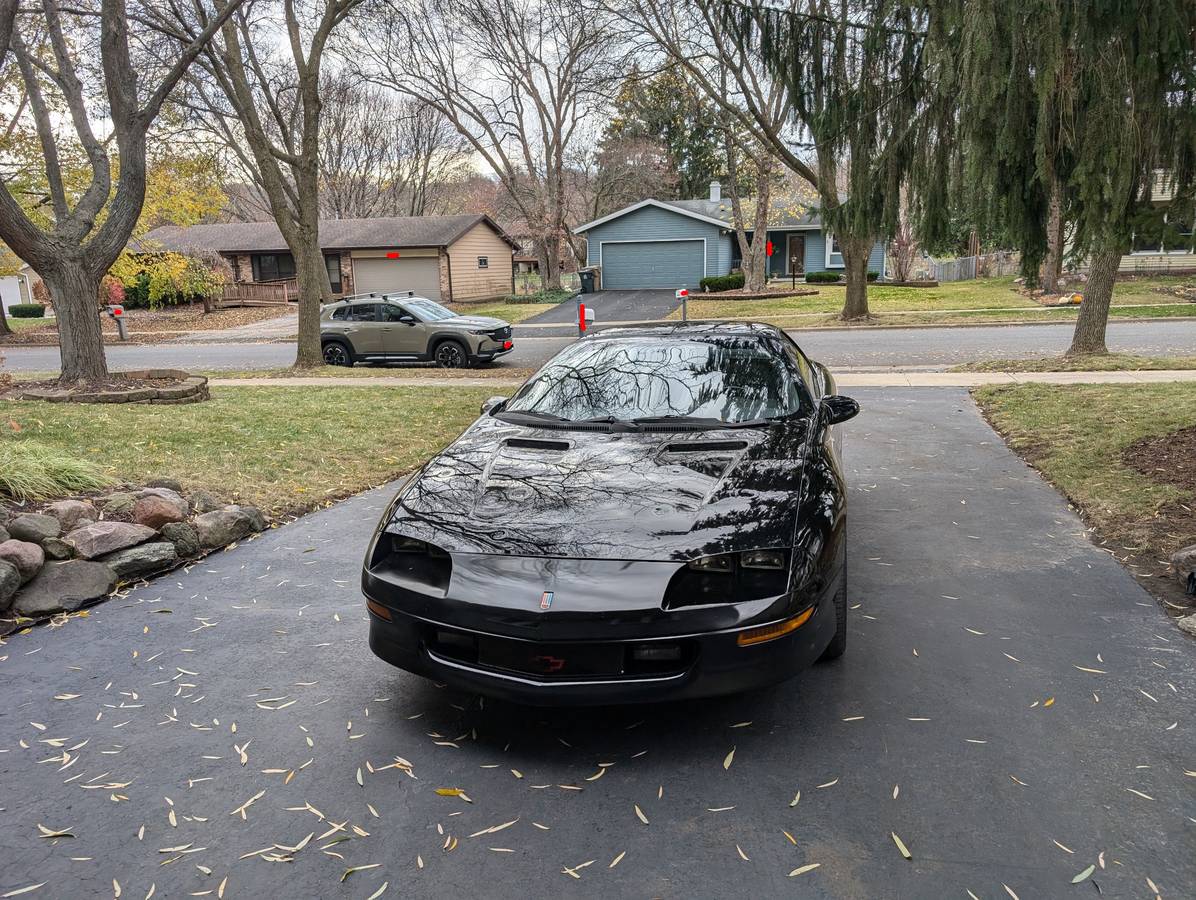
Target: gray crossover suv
(403, 327)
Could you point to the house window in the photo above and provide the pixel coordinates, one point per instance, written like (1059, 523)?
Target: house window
(834, 255)
(1169, 233)
(272, 266)
(483, 262)
(332, 262)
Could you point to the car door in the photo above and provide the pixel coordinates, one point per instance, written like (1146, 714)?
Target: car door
(363, 329)
(403, 334)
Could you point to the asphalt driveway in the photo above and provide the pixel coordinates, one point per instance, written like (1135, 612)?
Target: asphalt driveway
(1012, 706)
(612, 306)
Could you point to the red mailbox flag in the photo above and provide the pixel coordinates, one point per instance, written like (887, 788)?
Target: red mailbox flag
(768, 249)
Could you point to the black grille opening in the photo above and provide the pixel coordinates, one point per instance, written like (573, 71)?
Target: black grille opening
(534, 444)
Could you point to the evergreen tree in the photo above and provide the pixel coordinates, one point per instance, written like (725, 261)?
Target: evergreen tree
(1096, 98)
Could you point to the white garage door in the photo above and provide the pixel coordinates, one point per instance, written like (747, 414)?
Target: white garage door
(418, 273)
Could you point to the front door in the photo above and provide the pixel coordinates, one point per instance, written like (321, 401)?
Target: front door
(796, 259)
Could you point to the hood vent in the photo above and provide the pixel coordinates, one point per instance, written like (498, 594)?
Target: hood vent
(534, 444)
(705, 446)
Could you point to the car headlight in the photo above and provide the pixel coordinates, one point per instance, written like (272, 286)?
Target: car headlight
(411, 563)
(749, 559)
(481, 332)
(729, 578)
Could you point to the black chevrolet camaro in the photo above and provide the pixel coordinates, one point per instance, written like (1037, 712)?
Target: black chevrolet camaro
(658, 513)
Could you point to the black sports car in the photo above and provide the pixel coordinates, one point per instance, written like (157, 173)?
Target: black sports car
(657, 513)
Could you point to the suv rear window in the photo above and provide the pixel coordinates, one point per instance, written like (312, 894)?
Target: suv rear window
(363, 312)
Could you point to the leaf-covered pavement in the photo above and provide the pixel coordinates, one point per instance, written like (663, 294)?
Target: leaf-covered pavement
(1013, 715)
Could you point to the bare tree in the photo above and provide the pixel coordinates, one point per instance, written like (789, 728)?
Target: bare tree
(263, 101)
(517, 78)
(51, 46)
(382, 154)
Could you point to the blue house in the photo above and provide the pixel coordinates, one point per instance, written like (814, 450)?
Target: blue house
(675, 243)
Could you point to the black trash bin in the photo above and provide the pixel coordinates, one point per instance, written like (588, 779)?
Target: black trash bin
(587, 281)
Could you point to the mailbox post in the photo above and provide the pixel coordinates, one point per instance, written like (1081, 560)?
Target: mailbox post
(116, 312)
(683, 296)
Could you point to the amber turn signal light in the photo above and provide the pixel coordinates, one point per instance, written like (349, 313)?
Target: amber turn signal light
(772, 632)
(377, 609)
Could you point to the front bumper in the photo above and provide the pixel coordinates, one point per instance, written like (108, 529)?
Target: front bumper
(712, 663)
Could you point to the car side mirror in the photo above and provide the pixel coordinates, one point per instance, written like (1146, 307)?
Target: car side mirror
(407, 319)
(492, 405)
(836, 409)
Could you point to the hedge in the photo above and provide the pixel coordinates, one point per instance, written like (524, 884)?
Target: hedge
(716, 283)
(832, 277)
(27, 311)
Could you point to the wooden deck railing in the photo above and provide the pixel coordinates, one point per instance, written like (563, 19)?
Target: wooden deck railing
(259, 293)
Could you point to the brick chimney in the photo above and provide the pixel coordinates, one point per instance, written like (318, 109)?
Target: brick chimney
(716, 192)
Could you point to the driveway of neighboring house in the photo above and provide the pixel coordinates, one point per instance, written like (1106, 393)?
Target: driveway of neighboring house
(285, 326)
(612, 306)
(1012, 707)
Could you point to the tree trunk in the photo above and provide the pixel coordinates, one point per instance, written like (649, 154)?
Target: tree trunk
(75, 292)
(4, 329)
(1089, 335)
(314, 288)
(759, 271)
(855, 267)
(552, 259)
(1052, 266)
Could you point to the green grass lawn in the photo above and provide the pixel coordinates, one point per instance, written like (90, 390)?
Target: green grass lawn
(19, 325)
(507, 311)
(980, 300)
(283, 449)
(1107, 362)
(1076, 435)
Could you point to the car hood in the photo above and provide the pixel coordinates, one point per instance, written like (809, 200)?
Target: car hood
(511, 489)
(473, 322)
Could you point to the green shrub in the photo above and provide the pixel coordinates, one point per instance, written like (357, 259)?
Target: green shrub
(872, 276)
(31, 471)
(822, 277)
(546, 296)
(716, 283)
(27, 311)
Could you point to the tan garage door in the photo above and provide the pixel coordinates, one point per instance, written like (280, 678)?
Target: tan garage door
(380, 276)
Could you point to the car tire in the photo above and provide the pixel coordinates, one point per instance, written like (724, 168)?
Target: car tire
(838, 643)
(337, 353)
(451, 354)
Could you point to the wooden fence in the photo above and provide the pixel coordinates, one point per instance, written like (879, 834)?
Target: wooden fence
(259, 293)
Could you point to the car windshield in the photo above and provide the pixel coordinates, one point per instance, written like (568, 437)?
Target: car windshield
(427, 310)
(626, 379)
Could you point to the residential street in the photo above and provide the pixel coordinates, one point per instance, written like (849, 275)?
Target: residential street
(839, 348)
(1012, 706)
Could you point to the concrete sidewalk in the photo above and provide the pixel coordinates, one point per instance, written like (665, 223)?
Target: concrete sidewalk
(895, 378)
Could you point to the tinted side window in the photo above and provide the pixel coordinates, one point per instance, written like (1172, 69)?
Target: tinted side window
(391, 312)
(363, 312)
(341, 314)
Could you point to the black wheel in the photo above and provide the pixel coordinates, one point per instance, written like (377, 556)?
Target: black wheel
(337, 354)
(451, 355)
(839, 642)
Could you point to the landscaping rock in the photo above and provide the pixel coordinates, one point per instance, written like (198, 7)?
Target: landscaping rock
(1187, 623)
(25, 556)
(222, 526)
(10, 580)
(255, 517)
(164, 492)
(65, 586)
(5, 514)
(118, 504)
(168, 483)
(183, 536)
(142, 560)
(99, 538)
(34, 527)
(70, 513)
(4, 535)
(1184, 562)
(155, 511)
(57, 548)
(203, 502)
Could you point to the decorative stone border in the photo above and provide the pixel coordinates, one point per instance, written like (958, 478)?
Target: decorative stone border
(189, 389)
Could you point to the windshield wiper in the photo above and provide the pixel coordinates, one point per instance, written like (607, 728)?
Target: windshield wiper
(531, 414)
(703, 421)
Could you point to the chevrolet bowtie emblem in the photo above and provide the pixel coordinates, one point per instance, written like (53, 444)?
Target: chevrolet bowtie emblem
(546, 600)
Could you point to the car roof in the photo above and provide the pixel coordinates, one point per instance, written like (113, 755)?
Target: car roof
(702, 330)
(378, 298)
